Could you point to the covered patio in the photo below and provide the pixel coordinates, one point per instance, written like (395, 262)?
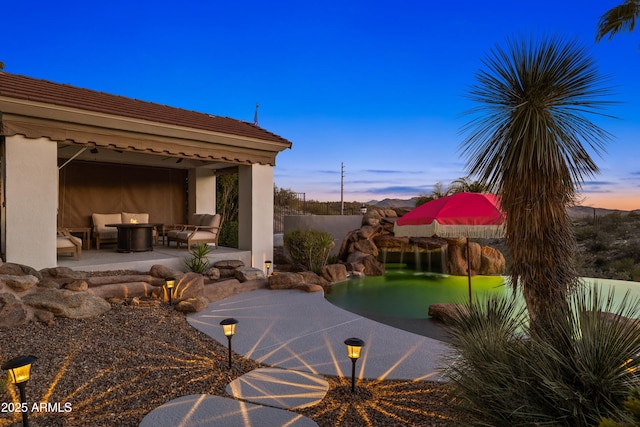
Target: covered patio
(69, 152)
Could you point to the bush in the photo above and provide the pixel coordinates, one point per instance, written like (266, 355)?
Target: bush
(198, 262)
(507, 375)
(229, 234)
(308, 248)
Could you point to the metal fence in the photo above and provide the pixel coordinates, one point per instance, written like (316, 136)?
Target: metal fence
(296, 204)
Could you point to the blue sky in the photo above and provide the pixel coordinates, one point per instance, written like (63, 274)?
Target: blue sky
(378, 86)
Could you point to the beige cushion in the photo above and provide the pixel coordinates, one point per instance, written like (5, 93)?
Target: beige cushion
(210, 220)
(140, 218)
(99, 221)
(66, 242)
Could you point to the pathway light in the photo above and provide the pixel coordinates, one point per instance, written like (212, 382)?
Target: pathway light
(354, 347)
(229, 328)
(19, 372)
(170, 282)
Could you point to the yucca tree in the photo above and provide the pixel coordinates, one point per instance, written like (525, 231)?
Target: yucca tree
(618, 19)
(526, 139)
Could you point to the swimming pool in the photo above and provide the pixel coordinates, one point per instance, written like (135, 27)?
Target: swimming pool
(407, 294)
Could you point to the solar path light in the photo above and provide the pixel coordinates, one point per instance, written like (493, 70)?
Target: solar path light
(170, 282)
(229, 328)
(354, 346)
(18, 372)
(267, 265)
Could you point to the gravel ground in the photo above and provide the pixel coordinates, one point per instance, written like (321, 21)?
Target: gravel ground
(113, 369)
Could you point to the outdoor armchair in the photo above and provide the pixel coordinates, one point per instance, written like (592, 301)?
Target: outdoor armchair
(66, 243)
(204, 228)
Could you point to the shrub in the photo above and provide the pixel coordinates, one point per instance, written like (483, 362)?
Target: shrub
(507, 375)
(198, 262)
(229, 234)
(308, 248)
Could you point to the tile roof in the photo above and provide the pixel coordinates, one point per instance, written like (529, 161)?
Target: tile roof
(28, 88)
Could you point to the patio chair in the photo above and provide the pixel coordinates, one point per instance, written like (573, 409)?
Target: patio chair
(102, 233)
(68, 244)
(204, 228)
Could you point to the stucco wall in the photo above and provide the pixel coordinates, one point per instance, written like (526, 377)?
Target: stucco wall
(255, 215)
(338, 226)
(31, 191)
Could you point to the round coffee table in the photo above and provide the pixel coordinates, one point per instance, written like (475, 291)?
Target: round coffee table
(134, 237)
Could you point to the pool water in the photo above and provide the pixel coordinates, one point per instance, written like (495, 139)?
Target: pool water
(407, 294)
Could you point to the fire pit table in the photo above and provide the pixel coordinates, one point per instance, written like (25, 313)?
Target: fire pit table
(134, 237)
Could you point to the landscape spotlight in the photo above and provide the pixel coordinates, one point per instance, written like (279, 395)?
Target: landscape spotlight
(267, 264)
(354, 346)
(19, 372)
(170, 283)
(363, 209)
(229, 328)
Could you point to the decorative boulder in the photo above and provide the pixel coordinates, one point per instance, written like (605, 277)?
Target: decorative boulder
(65, 303)
(244, 274)
(285, 280)
(12, 311)
(19, 270)
(334, 273)
(312, 278)
(492, 261)
(212, 273)
(159, 270)
(19, 283)
(77, 285)
(191, 285)
(192, 305)
(446, 312)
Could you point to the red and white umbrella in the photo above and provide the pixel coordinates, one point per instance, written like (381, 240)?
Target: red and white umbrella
(459, 215)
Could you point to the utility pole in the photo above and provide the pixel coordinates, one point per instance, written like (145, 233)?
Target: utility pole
(342, 188)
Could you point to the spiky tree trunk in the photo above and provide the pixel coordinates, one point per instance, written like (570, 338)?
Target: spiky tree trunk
(526, 142)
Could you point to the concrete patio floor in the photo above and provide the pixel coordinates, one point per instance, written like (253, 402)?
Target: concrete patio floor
(107, 258)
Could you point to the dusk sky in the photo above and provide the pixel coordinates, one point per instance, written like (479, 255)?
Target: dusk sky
(378, 86)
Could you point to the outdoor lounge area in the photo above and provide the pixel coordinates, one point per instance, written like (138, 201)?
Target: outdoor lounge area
(95, 153)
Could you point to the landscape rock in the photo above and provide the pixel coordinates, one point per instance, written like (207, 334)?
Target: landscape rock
(48, 283)
(372, 267)
(65, 303)
(229, 264)
(77, 285)
(226, 288)
(311, 278)
(158, 270)
(191, 285)
(19, 283)
(62, 273)
(12, 311)
(122, 290)
(44, 316)
(244, 274)
(19, 270)
(308, 287)
(334, 273)
(492, 261)
(446, 312)
(212, 273)
(192, 305)
(285, 280)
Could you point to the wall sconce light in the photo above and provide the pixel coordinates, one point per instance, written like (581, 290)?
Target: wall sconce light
(354, 346)
(19, 372)
(170, 283)
(363, 209)
(229, 328)
(267, 265)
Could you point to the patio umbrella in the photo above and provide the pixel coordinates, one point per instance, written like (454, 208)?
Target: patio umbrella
(459, 215)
